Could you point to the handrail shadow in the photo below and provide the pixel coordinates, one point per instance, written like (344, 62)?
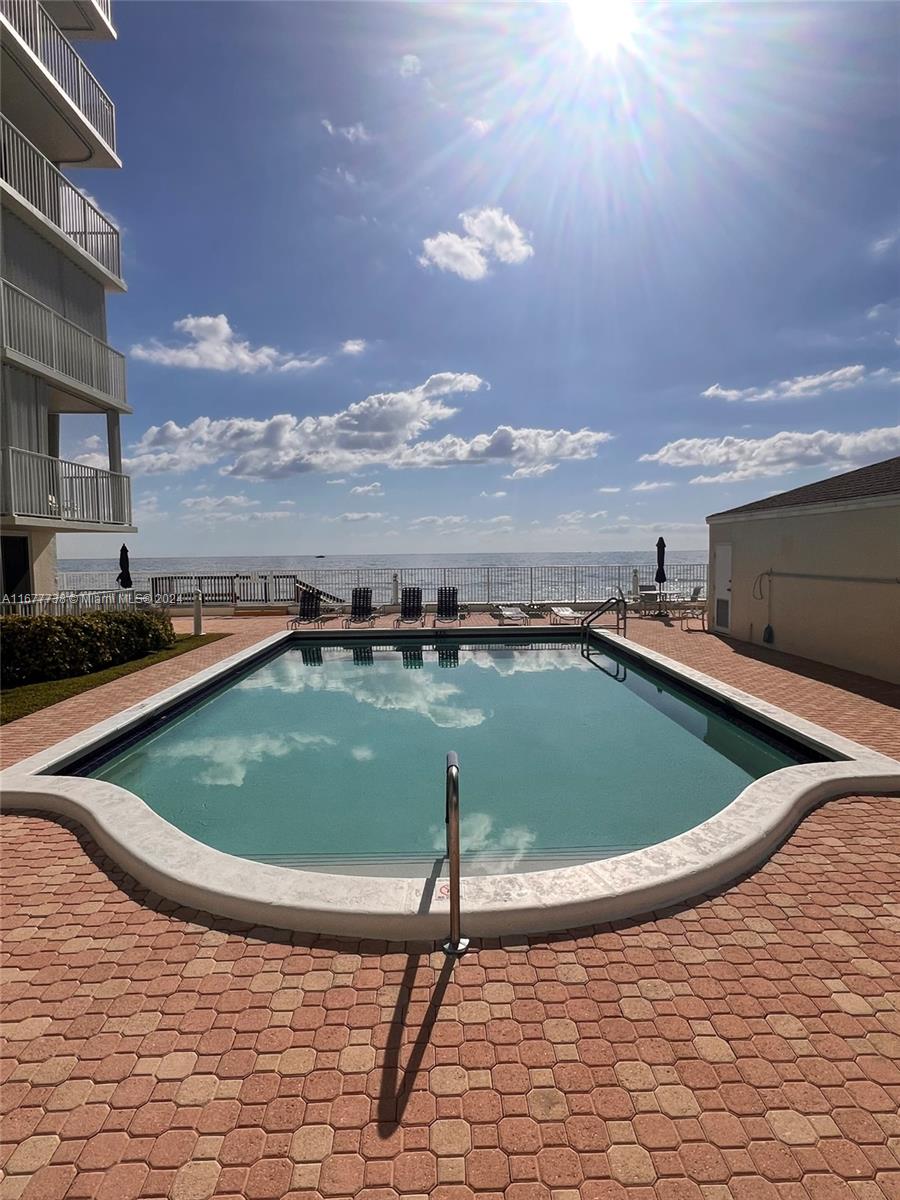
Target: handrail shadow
(397, 1084)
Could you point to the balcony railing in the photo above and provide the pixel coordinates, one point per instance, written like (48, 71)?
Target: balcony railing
(39, 333)
(36, 485)
(45, 188)
(43, 37)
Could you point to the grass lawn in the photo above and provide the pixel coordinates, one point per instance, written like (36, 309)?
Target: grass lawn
(20, 701)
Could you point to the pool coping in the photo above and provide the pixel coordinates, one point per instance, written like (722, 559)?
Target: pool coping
(701, 860)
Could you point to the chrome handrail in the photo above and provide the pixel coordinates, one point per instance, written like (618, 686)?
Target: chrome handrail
(455, 945)
(621, 606)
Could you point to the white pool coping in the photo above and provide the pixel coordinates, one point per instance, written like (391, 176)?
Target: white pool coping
(704, 859)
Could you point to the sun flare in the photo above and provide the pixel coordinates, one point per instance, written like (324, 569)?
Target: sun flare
(603, 26)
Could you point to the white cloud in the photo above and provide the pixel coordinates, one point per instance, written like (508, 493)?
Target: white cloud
(493, 495)
(224, 761)
(490, 234)
(647, 485)
(213, 346)
(532, 472)
(353, 517)
(96, 203)
(480, 125)
(353, 346)
(410, 64)
(498, 233)
(209, 510)
(801, 387)
(449, 252)
(754, 458)
(610, 490)
(453, 523)
(884, 244)
(333, 481)
(287, 503)
(352, 133)
(381, 430)
(368, 489)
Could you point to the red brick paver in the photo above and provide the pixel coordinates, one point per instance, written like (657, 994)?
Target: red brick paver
(746, 1046)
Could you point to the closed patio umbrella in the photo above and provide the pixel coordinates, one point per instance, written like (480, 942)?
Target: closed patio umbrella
(123, 579)
(660, 575)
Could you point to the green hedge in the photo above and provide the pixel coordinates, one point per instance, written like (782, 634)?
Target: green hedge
(33, 649)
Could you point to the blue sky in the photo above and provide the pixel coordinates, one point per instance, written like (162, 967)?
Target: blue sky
(410, 278)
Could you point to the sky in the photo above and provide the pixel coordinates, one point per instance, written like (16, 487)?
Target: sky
(410, 278)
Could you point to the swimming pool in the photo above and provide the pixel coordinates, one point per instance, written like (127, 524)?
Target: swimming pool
(329, 756)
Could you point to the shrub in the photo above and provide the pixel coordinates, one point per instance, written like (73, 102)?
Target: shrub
(33, 649)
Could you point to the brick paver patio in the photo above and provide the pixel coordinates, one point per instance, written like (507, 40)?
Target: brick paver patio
(746, 1047)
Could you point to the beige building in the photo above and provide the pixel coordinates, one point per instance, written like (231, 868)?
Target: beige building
(60, 257)
(815, 571)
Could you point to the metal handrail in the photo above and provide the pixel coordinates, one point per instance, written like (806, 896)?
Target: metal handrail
(455, 945)
(619, 603)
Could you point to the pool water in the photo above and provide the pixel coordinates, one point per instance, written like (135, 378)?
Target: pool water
(332, 757)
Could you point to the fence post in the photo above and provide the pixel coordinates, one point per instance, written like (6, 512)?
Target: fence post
(488, 585)
(198, 614)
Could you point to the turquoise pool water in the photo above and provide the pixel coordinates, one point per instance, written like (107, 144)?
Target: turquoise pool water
(332, 756)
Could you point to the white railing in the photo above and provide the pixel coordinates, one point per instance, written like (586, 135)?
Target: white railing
(45, 40)
(68, 605)
(45, 188)
(39, 333)
(37, 485)
(486, 585)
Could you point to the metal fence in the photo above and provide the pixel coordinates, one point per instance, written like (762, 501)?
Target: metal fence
(477, 585)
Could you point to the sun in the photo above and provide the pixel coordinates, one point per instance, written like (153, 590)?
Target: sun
(603, 26)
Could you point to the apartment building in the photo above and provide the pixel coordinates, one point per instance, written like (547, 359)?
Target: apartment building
(60, 258)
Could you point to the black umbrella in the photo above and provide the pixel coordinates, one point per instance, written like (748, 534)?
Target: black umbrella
(660, 575)
(123, 579)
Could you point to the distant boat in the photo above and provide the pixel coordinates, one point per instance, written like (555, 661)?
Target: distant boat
(318, 556)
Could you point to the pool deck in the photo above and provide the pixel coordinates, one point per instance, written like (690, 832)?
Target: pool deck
(746, 1046)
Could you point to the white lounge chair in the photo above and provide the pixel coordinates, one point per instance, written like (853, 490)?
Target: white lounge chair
(561, 614)
(509, 614)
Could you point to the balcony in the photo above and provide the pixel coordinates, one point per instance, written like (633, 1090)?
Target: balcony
(38, 339)
(42, 196)
(44, 492)
(48, 91)
(85, 19)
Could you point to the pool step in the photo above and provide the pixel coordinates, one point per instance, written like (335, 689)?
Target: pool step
(406, 866)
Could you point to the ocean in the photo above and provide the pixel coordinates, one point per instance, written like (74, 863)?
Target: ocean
(243, 564)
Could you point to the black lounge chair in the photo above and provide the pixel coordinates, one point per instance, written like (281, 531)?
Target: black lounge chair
(361, 610)
(448, 656)
(309, 610)
(311, 656)
(411, 610)
(363, 656)
(448, 608)
(412, 658)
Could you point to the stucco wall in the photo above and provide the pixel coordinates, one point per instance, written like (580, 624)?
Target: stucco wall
(850, 625)
(43, 562)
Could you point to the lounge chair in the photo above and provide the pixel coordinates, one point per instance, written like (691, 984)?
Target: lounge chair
(448, 608)
(448, 656)
(412, 658)
(511, 614)
(561, 614)
(411, 610)
(363, 656)
(309, 610)
(361, 610)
